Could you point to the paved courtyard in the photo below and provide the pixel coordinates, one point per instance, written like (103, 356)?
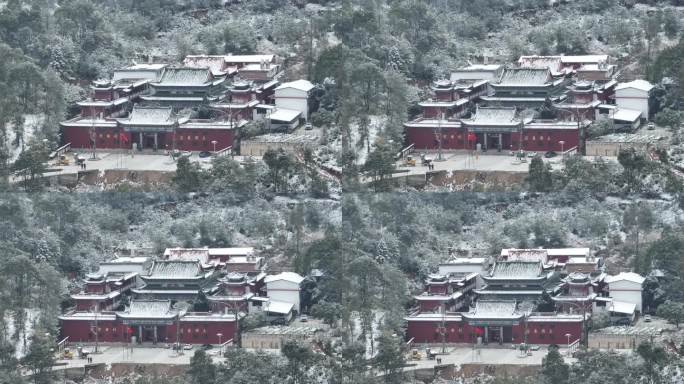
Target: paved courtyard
(488, 355)
(142, 355)
(462, 160)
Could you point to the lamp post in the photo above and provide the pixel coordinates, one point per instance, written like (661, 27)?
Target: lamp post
(562, 143)
(220, 345)
(568, 336)
(213, 142)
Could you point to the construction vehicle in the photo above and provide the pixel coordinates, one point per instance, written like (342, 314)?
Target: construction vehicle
(415, 355)
(68, 354)
(410, 161)
(63, 160)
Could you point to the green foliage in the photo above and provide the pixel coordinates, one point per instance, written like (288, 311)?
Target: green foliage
(202, 369)
(540, 178)
(390, 358)
(672, 312)
(329, 312)
(281, 165)
(189, 176)
(41, 357)
(669, 118)
(554, 368)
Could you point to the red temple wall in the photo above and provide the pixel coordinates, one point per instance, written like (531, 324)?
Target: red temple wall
(200, 140)
(460, 332)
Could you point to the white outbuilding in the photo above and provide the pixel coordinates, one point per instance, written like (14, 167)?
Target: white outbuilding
(626, 287)
(634, 95)
(295, 95)
(284, 287)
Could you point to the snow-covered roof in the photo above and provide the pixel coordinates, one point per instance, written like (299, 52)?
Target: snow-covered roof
(579, 59)
(186, 77)
(624, 114)
(236, 251)
(281, 307)
(287, 276)
(282, 114)
(493, 116)
(516, 270)
(127, 260)
(628, 276)
(567, 251)
(524, 76)
(214, 63)
(302, 85)
(193, 254)
(499, 309)
(238, 59)
(175, 269)
(152, 116)
(480, 67)
(639, 84)
(465, 260)
(551, 62)
(622, 307)
(148, 308)
(526, 255)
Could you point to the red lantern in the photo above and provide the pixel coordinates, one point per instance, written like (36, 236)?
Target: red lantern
(472, 137)
(130, 331)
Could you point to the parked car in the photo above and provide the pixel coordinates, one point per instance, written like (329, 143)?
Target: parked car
(187, 347)
(308, 126)
(531, 154)
(204, 154)
(650, 126)
(550, 154)
(303, 318)
(647, 318)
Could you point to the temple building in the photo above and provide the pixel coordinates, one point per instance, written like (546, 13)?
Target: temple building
(235, 291)
(577, 293)
(526, 88)
(175, 279)
(149, 321)
(183, 87)
(519, 280)
(148, 127)
(495, 321)
(448, 293)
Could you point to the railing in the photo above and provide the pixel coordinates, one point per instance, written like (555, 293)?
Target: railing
(573, 346)
(406, 151)
(62, 345)
(60, 151)
(223, 152)
(569, 151)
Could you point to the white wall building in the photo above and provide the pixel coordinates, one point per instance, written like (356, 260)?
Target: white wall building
(634, 95)
(294, 96)
(626, 287)
(284, 287)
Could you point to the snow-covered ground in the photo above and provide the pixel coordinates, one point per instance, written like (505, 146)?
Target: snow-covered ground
(23, 335)
(31, 125)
